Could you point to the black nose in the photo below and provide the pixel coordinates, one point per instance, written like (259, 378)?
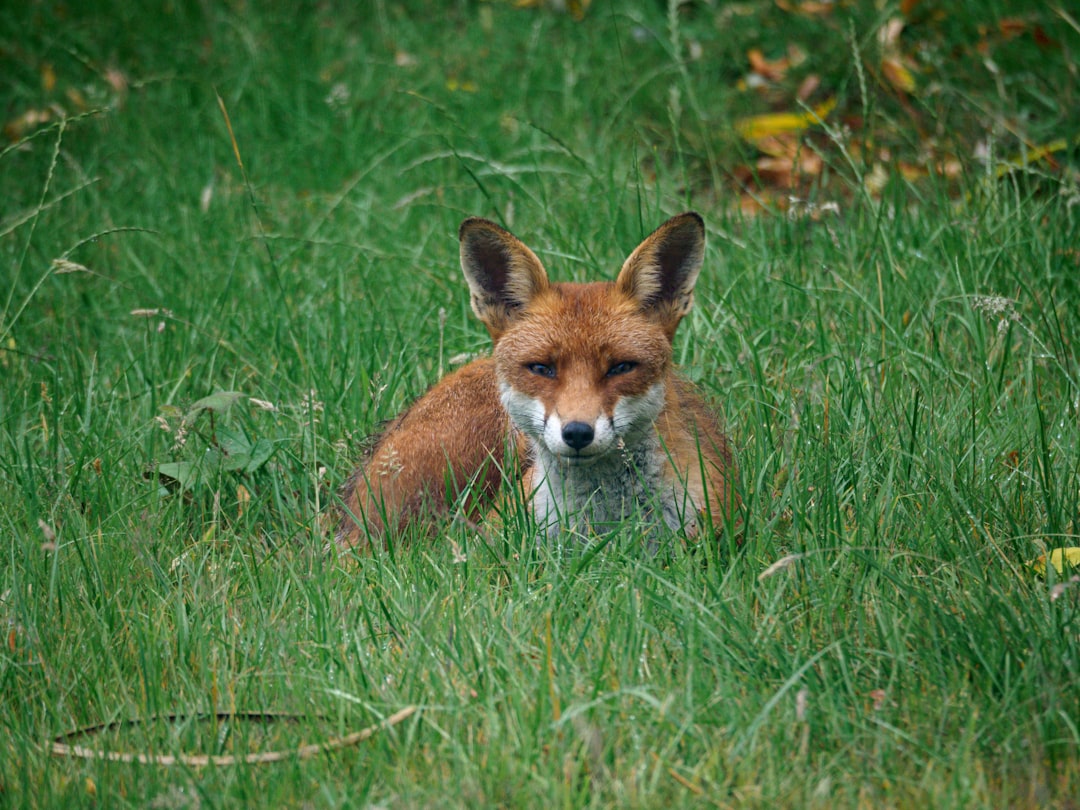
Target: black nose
(577, 434)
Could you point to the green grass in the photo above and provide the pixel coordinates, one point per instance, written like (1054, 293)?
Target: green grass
(907, 443)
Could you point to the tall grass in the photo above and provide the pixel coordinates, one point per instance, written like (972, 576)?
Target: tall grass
(898, 372)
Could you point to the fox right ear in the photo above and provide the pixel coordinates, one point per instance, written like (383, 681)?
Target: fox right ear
(661, 272)
(502, 273)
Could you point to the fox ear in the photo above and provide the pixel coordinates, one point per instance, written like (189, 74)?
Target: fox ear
(661, 272)
(502, 273)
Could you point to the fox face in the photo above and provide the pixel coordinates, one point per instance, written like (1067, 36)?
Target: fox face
(584, 372)
(581, 374)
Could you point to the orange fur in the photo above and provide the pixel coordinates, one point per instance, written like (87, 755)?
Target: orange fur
(428, 456)
(581, 383)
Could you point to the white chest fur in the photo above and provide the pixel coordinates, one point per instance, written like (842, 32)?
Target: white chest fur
(636, 484)
(625, 474)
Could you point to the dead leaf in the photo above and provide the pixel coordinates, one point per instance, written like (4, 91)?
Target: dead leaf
(773, 71)
(786, 160)
(786, 171)
(22, 124)
(75, 96)
(117, 80)
(950, 167)
(1044, 40)
(243, 498)
(48, 78)
(874, 181)
(1011, 27)
(889, 35)
(577, 9)
(897, 75)
(911, 171)
(781, 145)
(750, 205)
(808, 8)
(808, 87)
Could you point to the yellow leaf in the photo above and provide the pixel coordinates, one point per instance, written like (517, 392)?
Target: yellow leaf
(1059, 558)
(10, 347)
(76, 97)
(48, 78)
(897, 75)
(1033, 155)
(577, 8)
(456, 86)
(756, 127)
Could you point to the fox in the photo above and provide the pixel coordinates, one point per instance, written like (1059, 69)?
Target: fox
(579, 406)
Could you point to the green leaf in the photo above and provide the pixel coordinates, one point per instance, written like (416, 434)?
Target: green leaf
(232, 441)
(240, 452)
(219, 402)
(178, 473)
(260, 454)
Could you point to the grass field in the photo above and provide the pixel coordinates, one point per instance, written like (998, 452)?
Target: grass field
(228, 250)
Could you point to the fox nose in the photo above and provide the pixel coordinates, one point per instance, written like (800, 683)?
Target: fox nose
(577, 434)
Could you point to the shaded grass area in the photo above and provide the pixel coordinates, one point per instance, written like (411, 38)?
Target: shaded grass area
(899, 375)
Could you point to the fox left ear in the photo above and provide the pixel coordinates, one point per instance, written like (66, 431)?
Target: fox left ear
(502, 273)
(661, 272)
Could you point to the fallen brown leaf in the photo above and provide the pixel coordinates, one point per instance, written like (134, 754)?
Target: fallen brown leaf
(48, 78)
(773, 71)
(1011, 27)
(809, 8)
(809, 85)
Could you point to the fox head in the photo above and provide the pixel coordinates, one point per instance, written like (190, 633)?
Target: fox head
(583, 368)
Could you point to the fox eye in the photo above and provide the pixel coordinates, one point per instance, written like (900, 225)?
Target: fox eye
(541, 370)
(624, 367)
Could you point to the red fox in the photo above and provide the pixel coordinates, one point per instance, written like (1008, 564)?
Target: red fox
(579, 405)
